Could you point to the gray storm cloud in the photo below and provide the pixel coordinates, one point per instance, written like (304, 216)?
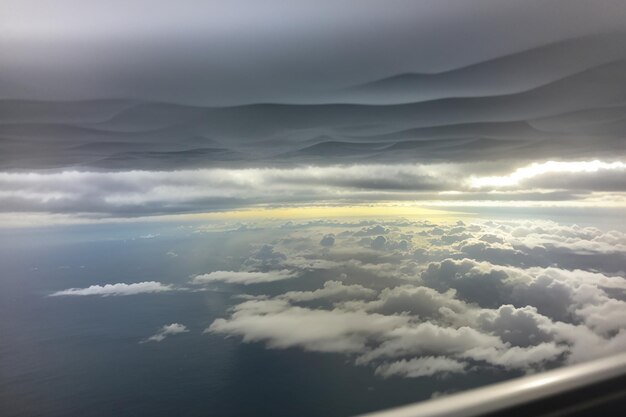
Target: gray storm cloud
(244, 52)
(133, 85)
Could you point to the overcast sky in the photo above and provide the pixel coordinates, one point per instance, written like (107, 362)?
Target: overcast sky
(134, 108)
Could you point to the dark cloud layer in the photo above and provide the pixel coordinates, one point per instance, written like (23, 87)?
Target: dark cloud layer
(243, 52)
(208, 84)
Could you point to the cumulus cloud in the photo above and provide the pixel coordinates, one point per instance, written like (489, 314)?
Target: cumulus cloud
(419, 301)
(165, 331)
(518, 326)
(243, 277)
(118, 289)
(539, 243)
(516, 357)
(266, 257)
(606, 317)
(328, 240)
(430, 339)
(281, 325)
(473, 281)
(551, 290)
(372, 231)
(333, 290)
(424, 366)
(378, 242)
(576, 239)
(584, 344)
(437, 310)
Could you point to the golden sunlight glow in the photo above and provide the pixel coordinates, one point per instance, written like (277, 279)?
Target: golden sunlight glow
(317, 212)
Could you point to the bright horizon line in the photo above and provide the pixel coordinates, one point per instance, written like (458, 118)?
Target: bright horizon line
(433, 210)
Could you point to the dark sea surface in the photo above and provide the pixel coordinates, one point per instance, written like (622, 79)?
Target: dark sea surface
(82, 356)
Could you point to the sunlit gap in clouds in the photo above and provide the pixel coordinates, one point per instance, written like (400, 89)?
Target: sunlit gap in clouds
(325, 212)
(546, 168)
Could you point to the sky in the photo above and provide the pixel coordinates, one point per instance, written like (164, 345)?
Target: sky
(365, 202)
(232, 106)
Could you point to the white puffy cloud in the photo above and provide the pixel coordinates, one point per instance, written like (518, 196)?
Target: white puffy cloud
(420, 301)
(116, 289)
(243, 277)
(606, 317)
(424, 366)
(165, 331)
(516, 357)
(552, 290)
(518, 326)
(281, 325)
(580, 240)
(334, 290)
(530, 243)
(430, 339)
(584, 344)
(478, 282)
(463, 342)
